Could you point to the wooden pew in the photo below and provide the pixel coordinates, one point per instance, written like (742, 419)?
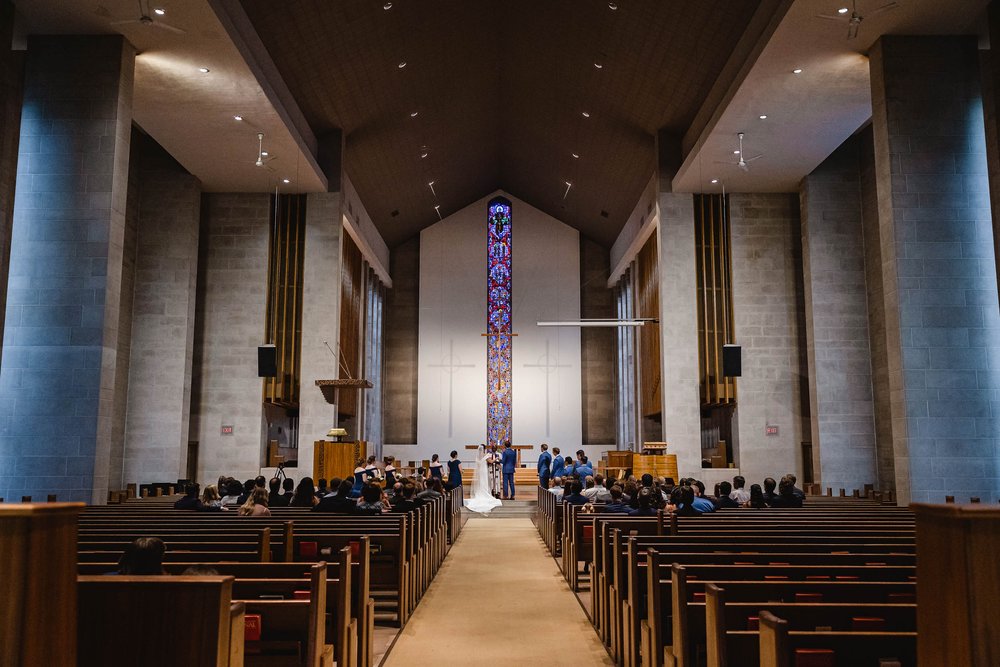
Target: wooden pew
(730, 628)
(780, 646)
(158, 621)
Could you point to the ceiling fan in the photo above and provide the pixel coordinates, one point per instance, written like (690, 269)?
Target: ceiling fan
(743, 162)
(262, 156)
(147, 20)
(854, 19)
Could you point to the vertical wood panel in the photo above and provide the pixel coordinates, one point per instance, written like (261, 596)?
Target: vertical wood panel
(648, 303)
(715, 307)
(283, 322)
(351, 319)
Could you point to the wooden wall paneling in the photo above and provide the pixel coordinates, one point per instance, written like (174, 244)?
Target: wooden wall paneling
(283, 324)
(350, 323)
(649, 336)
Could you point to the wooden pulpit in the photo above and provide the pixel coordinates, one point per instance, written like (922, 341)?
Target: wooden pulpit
(337, 459)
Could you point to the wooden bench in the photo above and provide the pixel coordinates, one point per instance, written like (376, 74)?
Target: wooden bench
(781, 647)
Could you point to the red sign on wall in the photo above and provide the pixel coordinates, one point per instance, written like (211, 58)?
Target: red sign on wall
(770, 429)
(227, 429)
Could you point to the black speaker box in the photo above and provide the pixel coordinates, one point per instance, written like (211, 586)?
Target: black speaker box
(267, 361)
(732, 361)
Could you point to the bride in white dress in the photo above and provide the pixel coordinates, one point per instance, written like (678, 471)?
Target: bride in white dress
(482, 500)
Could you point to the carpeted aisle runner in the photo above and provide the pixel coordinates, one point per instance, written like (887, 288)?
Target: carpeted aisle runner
(499, 599)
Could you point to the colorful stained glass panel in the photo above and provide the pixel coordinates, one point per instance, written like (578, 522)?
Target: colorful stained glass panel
(498, 322)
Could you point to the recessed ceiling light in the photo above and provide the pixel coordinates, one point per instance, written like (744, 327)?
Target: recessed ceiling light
(237, 117)
(843, 10)
(264, 153)
(387, 6)
(586, 114)
(763, 116)
(612, 6)
(575, 155)
(797, 70)
(285, 180)
(204, 70)
(414, 114)
(159, 11)
(598, 65)
(402, 64)
(715, 180)
(736, 152)
(423, 154)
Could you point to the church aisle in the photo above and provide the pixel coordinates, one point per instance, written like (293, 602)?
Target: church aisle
(499, 599)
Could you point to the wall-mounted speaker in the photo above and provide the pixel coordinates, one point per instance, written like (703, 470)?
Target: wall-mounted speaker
(732, 361)
(267, 361)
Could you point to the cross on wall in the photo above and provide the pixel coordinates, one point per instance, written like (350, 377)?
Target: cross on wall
(451, 368)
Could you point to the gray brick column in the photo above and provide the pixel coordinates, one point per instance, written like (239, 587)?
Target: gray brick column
(229, 325)
(840, 379)
(61, 336)
(320, 319)
(597, 347)
(766, 250)
(162, 340)
(402, 310)
(939, 275)
(679, 330)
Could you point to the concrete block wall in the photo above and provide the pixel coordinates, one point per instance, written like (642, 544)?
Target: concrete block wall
(840, 382)
(597, 346)
(63, 302)
(766, 248)
(11, 84)
(320, 319)
(402, 309)
(679, 330)
(229, 325)
(939, 271)
(162, 331)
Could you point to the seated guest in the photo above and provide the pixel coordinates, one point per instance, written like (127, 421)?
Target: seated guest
(756, 498)
(575, 497)
(190, 501)
(557, 487)
(725, 496)
(305, 494)
(256, 504)
(615, 505)
(276, 498)
(288, 488)
(260, 482)
(646, 481)
(598, 492)
(321, 490)
(371, 500)
(210, 498)
(668, 485)
(700, 503)
(248, 487)
(796, 491)
(435, 489)
(645, 504)
(339, 502)
(144, 556)
(629, 492)
(233, 492)
(739, 494)
(769, 486)
(333, 485)
(682, 501)
(404, 502)
(786, 494)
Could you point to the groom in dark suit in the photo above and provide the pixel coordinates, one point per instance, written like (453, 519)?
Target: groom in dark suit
(509, 461)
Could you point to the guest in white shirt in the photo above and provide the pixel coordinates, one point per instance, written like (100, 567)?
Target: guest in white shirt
(740, 494)
(557, 487)
(596, 491)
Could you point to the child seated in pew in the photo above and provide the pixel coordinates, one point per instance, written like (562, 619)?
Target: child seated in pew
(256, 504)
(144, 556)
(740, 494)
(211, 499)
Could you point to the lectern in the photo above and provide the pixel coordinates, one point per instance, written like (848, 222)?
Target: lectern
(337, 459)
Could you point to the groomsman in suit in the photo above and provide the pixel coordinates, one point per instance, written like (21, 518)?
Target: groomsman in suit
(509, 461)
(558, 464)
(544, 461)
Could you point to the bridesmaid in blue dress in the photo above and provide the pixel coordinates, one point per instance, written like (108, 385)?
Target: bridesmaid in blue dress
(360, 476)
(390, 472)
(437, 469)
(454, 471)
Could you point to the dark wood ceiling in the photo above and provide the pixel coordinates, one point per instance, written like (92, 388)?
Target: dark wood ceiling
(500, 87)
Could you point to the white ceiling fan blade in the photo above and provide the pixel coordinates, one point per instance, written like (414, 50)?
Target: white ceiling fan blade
(852, 30)
(724, 162)
(164, 26)
(744, 166)
(830, 17)
(755, 157)
(125, 22)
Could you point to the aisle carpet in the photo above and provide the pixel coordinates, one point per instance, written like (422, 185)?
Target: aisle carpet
(499, 599)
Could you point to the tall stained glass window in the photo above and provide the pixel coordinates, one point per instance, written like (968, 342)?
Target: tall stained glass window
(498, 322)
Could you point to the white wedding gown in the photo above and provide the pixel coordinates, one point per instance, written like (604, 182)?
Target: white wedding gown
(482, 500)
